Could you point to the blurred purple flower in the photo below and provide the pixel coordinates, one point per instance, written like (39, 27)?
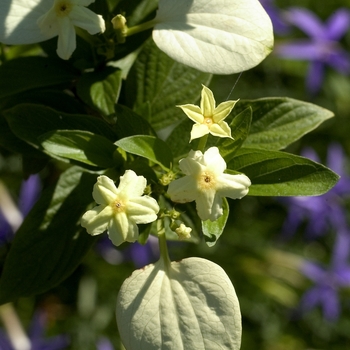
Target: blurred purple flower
(137, 253)
(36, 336)
(321, 212)
(104, 344)
(280, 26)
(322, 48)
(329, 280)
(28, 195)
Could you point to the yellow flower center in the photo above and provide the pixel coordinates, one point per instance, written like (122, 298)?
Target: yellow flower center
(206, 180)
(208, 121)
(118, 206)
(63, 7)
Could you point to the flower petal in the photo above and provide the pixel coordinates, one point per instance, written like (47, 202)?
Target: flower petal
(233, 186)
(199, 130)
(66, 38)
(220, 37)
(104, 191)
(207, 102)
(88, 20)
(143, 210)
(209, 205)
(132, 185)
(213, 160)
(121, 229)
(183, 190)
(193, 112)
(221, 130)
(19, 21)
(191, 164)
(223, 110)
(96, 220)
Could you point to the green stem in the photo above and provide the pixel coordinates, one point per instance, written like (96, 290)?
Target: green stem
(202, 143)
(162, 242)
(140, 27)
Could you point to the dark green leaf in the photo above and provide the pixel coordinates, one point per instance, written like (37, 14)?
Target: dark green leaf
(100, 90)
(50, 243)
(277, 122)
(150, 147)
(212, 230)
(55, 99)
(240, 126)
(81, 146)
(130, 123)
(29, 122)
(26, 73)
(275, 173)
(157, 80)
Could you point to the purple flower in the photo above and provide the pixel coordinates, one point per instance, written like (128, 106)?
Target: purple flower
(36, 336)
(280, 26)
(11, 220)
(321, 212)
(329, 280)
(137, 253)
(104, 344)
(322, 48)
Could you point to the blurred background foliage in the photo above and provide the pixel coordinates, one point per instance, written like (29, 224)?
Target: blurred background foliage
(263, 262)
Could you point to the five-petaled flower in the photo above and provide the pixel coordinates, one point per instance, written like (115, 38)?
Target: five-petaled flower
(208, 117)
(28, 22)
(206, 183)
(120, 209)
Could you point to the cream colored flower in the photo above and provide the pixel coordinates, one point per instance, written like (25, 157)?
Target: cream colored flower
(206, 183)
(208, 117)
(120, 209)
(33, 21)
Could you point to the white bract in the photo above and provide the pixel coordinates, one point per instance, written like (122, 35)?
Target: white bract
(208, 117)
(206, 183)
(33, 21)
(218, 36)
(120, 209)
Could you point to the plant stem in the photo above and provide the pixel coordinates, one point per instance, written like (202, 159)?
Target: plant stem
(202, 143)
(162, 242)
(140, 27)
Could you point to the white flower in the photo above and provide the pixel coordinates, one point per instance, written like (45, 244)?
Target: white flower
(217, 36)
(120, 209)
(206, 183)
(33, 21)
(208, 117)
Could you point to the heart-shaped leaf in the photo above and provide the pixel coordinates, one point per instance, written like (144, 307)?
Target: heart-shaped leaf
(188, 304)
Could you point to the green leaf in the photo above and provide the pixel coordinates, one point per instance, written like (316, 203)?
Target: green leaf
(130, 123)
(58, 100)
(81, 146)
(157, 80)
(275, 173)
(240, 127)
(50, 243)
(100, 90)
(189, 304)
(29, 122)
(150, 147)
(277, 122)
(32, 73)
(212, 230)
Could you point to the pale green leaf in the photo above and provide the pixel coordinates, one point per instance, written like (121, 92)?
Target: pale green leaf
(219, 36)
(189, 304)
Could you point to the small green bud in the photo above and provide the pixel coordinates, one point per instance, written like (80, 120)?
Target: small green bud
(119, 24)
